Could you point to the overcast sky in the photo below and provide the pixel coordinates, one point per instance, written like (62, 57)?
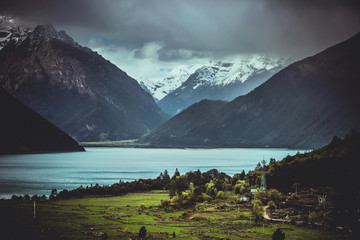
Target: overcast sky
(142, 37)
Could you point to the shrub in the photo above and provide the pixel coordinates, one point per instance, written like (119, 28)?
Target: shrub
(262, 196)
(278, 235)
(141, 207)
(206, 197)
(275, 195)
(220, 195)
(272, 205)
(165, 203)
(142, 233)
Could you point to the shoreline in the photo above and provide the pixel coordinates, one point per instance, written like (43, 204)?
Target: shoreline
(95, 145)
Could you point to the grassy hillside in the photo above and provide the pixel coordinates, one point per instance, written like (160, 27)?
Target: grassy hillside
(122, 218)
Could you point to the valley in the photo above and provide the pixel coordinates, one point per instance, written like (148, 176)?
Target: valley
(157, 119)
(120, 218)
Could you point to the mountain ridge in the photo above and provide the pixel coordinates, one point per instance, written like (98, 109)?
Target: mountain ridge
(301, 106)
(214, 80)
(75, 88)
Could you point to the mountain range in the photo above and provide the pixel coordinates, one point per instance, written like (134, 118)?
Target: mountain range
(75, 88)
(214, 80)
(25, 131)
(302, 106)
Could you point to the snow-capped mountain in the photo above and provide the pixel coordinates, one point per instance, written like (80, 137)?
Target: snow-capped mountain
(215, 80)
(159, 88)
(10, 32)
(303, 106)
(226, 72)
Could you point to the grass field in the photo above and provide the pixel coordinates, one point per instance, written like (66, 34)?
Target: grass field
(120, 218)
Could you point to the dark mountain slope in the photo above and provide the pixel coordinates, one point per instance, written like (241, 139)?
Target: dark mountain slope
(302, 106)
(331, 165)
(75, 88)
(329, 171)
(176, 127)
(24, 131)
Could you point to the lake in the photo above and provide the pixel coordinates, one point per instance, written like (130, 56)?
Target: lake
(39, 173)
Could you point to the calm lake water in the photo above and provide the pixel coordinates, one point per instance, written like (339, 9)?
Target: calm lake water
(39, 173)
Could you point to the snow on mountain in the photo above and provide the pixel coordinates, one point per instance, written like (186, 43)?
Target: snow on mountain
(159, 88)
(215, 73)
(226, 72)
(9, 31)
(222, 80)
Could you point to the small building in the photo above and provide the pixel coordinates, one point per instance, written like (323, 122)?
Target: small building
(253, 191)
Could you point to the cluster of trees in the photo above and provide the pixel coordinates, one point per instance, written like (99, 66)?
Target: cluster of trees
(331, 168)
(197, 187)
(211, 182)
(28, 198)
(332, 165)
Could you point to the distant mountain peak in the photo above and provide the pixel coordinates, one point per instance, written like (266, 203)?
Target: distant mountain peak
(45, 33)
(46, 30)
(302, 106)
(225, 80)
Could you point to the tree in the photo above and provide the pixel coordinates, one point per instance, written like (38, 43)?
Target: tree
(142, 233)
(104, 236)
(275, 195)
(278, 235)
(166, 176)
(258, 210)
(53, 194)
(176, 174)
(258, 166)
(237, 190)
(242, 175)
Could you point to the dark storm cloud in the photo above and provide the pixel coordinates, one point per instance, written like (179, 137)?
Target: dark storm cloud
(168, 54)
(282, 26)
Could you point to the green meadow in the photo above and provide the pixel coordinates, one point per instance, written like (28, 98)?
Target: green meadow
(122, 217)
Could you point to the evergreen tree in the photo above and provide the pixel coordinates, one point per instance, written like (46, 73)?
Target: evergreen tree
(242, 175)
(166, 176)
(176, 174)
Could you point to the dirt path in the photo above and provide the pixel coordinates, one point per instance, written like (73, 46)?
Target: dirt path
(267, 216)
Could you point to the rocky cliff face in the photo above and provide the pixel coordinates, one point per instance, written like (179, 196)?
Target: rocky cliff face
(75, 88)
(302, 106)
